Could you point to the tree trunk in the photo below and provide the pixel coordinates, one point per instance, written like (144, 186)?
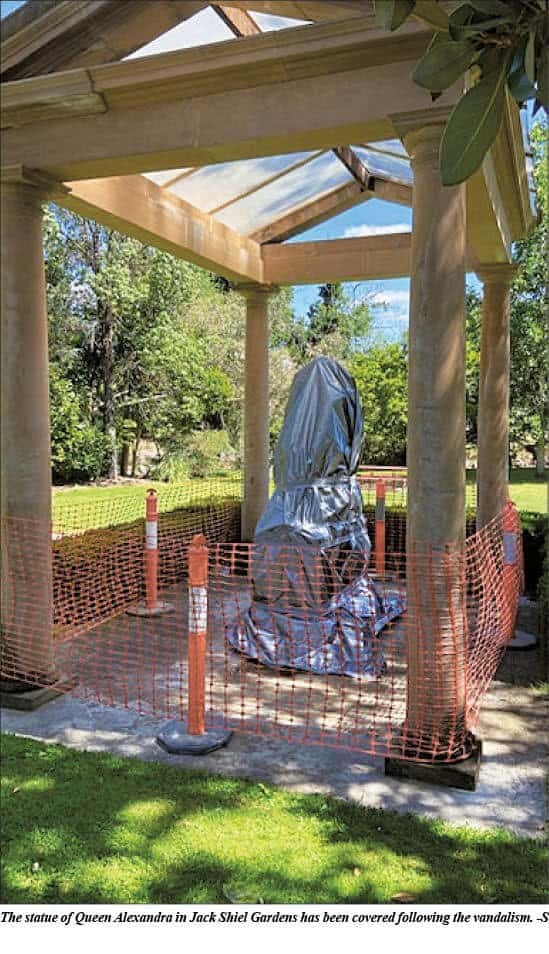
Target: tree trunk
(135, 451)
(109, 424)
(540, 456)
(125, 465)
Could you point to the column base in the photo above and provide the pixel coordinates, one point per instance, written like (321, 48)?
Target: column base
(175, 739)
(29, 699)
(463, 775)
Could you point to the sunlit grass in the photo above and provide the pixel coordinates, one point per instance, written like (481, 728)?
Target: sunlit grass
(87, 507)
(91, 828)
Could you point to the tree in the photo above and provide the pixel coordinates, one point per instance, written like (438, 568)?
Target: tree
(529, 327)
(118, 334)
(530, 317)
(381, 375)
(334, 325)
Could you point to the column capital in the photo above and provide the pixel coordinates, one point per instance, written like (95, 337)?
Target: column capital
(497, 273)
(253, 291)
(421, 132)
(32, 181)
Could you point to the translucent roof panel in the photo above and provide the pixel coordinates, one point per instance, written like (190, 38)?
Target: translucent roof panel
(214, 186)
(322, 174)
(268, 22)
(384, 165)
(167, 176)
(393, 147)
(199, 30)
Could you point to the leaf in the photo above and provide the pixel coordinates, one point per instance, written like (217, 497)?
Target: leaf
(543, 77)
(520, 86)
(392, 13)
(491, 7)
(444, 61)
(465, 22)
(431, 13)
(530, 56)
(473, 126)
(480, 26)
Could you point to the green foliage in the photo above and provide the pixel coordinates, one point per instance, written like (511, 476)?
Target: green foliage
(529, 331)
(206, 453)
(474, 124)
(335, 326)
(529, 315)
(210, 454)
(79, 451)
(505, 46)
(382, 379)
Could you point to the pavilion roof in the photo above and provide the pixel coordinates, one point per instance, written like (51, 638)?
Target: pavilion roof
(268, 198)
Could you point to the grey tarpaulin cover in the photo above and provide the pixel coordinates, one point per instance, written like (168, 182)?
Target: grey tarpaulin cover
(314, 606)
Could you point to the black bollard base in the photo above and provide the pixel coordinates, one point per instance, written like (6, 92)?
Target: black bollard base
(175, 739)
(463, 775)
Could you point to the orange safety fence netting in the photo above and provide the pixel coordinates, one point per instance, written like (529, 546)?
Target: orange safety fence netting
(64, 618)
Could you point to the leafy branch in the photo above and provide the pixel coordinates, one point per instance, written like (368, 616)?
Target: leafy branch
(497, 46)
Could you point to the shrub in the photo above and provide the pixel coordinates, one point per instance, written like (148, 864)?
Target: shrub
(210, 454)
(205, 453)
(79, 450)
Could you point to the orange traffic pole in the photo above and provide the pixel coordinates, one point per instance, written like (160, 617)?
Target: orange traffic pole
(198, 625)
(151, 550)
(510, 567)
(380, 527)
(192, 737)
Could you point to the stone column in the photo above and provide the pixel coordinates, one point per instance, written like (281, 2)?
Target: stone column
(436, 624)
(256, 407)
(25, 498)
(493, 398)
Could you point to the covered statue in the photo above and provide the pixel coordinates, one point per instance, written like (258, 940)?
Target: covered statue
(314, 606)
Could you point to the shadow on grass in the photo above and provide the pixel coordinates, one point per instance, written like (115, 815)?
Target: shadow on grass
(91, 828)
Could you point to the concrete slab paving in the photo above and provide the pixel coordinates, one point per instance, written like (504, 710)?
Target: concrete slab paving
(511, 792)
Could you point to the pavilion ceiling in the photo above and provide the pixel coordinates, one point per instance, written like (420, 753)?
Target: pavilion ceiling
(239, 144)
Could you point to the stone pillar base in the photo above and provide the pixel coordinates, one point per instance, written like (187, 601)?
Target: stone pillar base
(463, 775)
(29, 699)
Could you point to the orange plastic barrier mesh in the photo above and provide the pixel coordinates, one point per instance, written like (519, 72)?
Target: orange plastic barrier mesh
(431, 666)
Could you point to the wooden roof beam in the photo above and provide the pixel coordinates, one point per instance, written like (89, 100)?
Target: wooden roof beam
(329, 205)
(135, 206)
(315, 10)
(353, 259)
(44, 37)
(299, 90)
(239, 21)
(354, 164)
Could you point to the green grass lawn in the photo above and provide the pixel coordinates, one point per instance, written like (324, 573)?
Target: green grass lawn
(528, 491)
(95, 506)
(90, 828)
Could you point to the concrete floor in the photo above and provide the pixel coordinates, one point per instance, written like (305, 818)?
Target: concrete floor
(512, 782)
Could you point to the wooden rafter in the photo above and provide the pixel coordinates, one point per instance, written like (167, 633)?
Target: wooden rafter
(354, 164)
(266, 96)
(239, 21)
(315, 10)
(329, 205)
(311, 213)
(354, 259)
(43, 37)
(138, 207)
